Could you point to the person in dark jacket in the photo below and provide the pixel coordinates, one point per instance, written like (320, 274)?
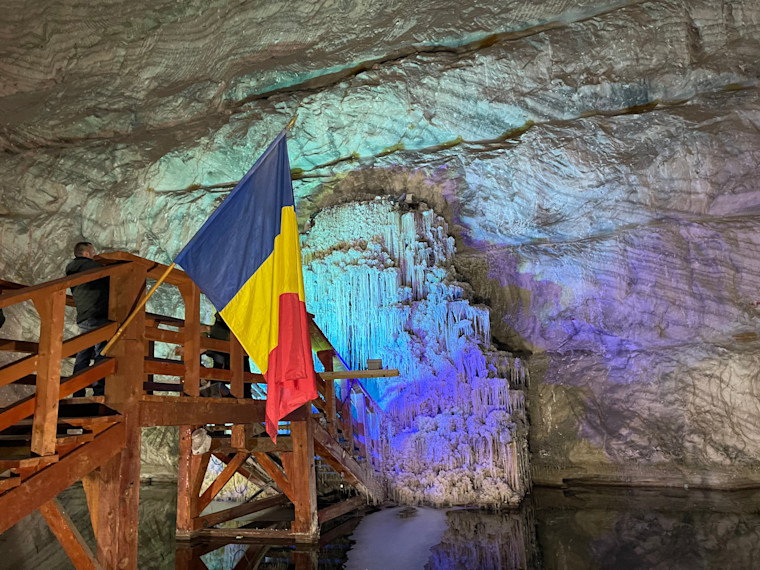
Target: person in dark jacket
(91, 300)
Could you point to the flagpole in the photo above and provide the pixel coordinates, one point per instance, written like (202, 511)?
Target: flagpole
(292, 122)
(139, 306)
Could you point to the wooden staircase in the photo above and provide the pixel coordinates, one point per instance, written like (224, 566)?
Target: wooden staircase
(49, 440)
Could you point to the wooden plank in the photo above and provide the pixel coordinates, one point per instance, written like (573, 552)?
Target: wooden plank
(242, 510)
(349, 374)
(84, 378)
(338, 509)
(222, 479)
(169, 367)
(9, 345)
(82, 341)
(191, 296)
(251, 475)
(18, 369)
(31, 292)
(302, 477)
(163, 335)
(26, 461)
(173, 411)
(48, 483)
(154, 320)
(69, 536)
(25, 407)
(245, 535)
(153, 268)
(258, 443)
(273, 470)
(51, 309)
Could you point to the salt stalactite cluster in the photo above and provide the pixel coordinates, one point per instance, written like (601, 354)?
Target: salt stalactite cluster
(380, 280)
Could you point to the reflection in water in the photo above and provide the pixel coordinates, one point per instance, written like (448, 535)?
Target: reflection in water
(571, 529)
(668, 529)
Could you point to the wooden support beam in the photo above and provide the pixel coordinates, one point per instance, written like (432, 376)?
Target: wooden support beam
(338, 509)
(51, 309)
(349, 374)
(242, 510)
(326, 358)
(119, 494)
(200, 466)
(236, 367)
(185, 476)
(172, 411)
(302, 476)
(222, 479)
(278, 476)
(191, 296)
(91, 484)
(69, 536)
(48, 483)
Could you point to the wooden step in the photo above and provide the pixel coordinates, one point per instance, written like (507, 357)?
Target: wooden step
(21, 460)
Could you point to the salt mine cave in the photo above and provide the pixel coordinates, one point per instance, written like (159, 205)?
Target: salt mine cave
(544, 214)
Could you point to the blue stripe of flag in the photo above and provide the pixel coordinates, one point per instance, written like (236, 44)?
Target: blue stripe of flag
(239, 236)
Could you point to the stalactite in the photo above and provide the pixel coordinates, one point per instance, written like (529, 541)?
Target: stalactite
(381, 283)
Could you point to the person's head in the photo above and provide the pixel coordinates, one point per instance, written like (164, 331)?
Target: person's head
(84, 249)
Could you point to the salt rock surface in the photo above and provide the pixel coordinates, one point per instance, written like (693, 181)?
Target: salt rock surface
(595, 161)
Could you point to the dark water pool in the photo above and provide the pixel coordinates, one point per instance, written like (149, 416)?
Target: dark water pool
(573, 529)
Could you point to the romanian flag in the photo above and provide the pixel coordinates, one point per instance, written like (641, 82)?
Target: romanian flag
(247, 260)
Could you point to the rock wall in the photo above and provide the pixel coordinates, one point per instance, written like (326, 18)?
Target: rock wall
(596, 162)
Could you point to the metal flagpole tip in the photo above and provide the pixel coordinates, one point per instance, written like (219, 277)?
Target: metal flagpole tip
(292, 122)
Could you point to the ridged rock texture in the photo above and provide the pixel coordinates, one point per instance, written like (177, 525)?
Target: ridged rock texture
(597, 163)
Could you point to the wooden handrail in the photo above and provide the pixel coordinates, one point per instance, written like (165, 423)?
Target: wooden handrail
(11, 297)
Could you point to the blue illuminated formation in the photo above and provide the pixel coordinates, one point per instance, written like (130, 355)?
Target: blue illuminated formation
(379, 279)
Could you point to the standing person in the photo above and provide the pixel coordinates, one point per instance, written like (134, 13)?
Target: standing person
(91, 300)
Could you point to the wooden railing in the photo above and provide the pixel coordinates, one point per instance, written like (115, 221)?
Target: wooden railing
(350, 411)
(42, 366)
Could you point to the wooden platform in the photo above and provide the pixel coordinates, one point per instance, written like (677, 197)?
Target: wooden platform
(50, 440)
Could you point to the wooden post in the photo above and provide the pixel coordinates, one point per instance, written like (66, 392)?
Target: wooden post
(185, 477)
(236, 367)
(191, 295)
(303, 477)
(326, 358)
(117, 519)
(51, 309)
(361, 423)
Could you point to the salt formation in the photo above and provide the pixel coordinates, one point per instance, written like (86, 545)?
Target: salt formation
(380, 281)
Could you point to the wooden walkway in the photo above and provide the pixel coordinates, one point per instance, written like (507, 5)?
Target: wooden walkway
(49, 440)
